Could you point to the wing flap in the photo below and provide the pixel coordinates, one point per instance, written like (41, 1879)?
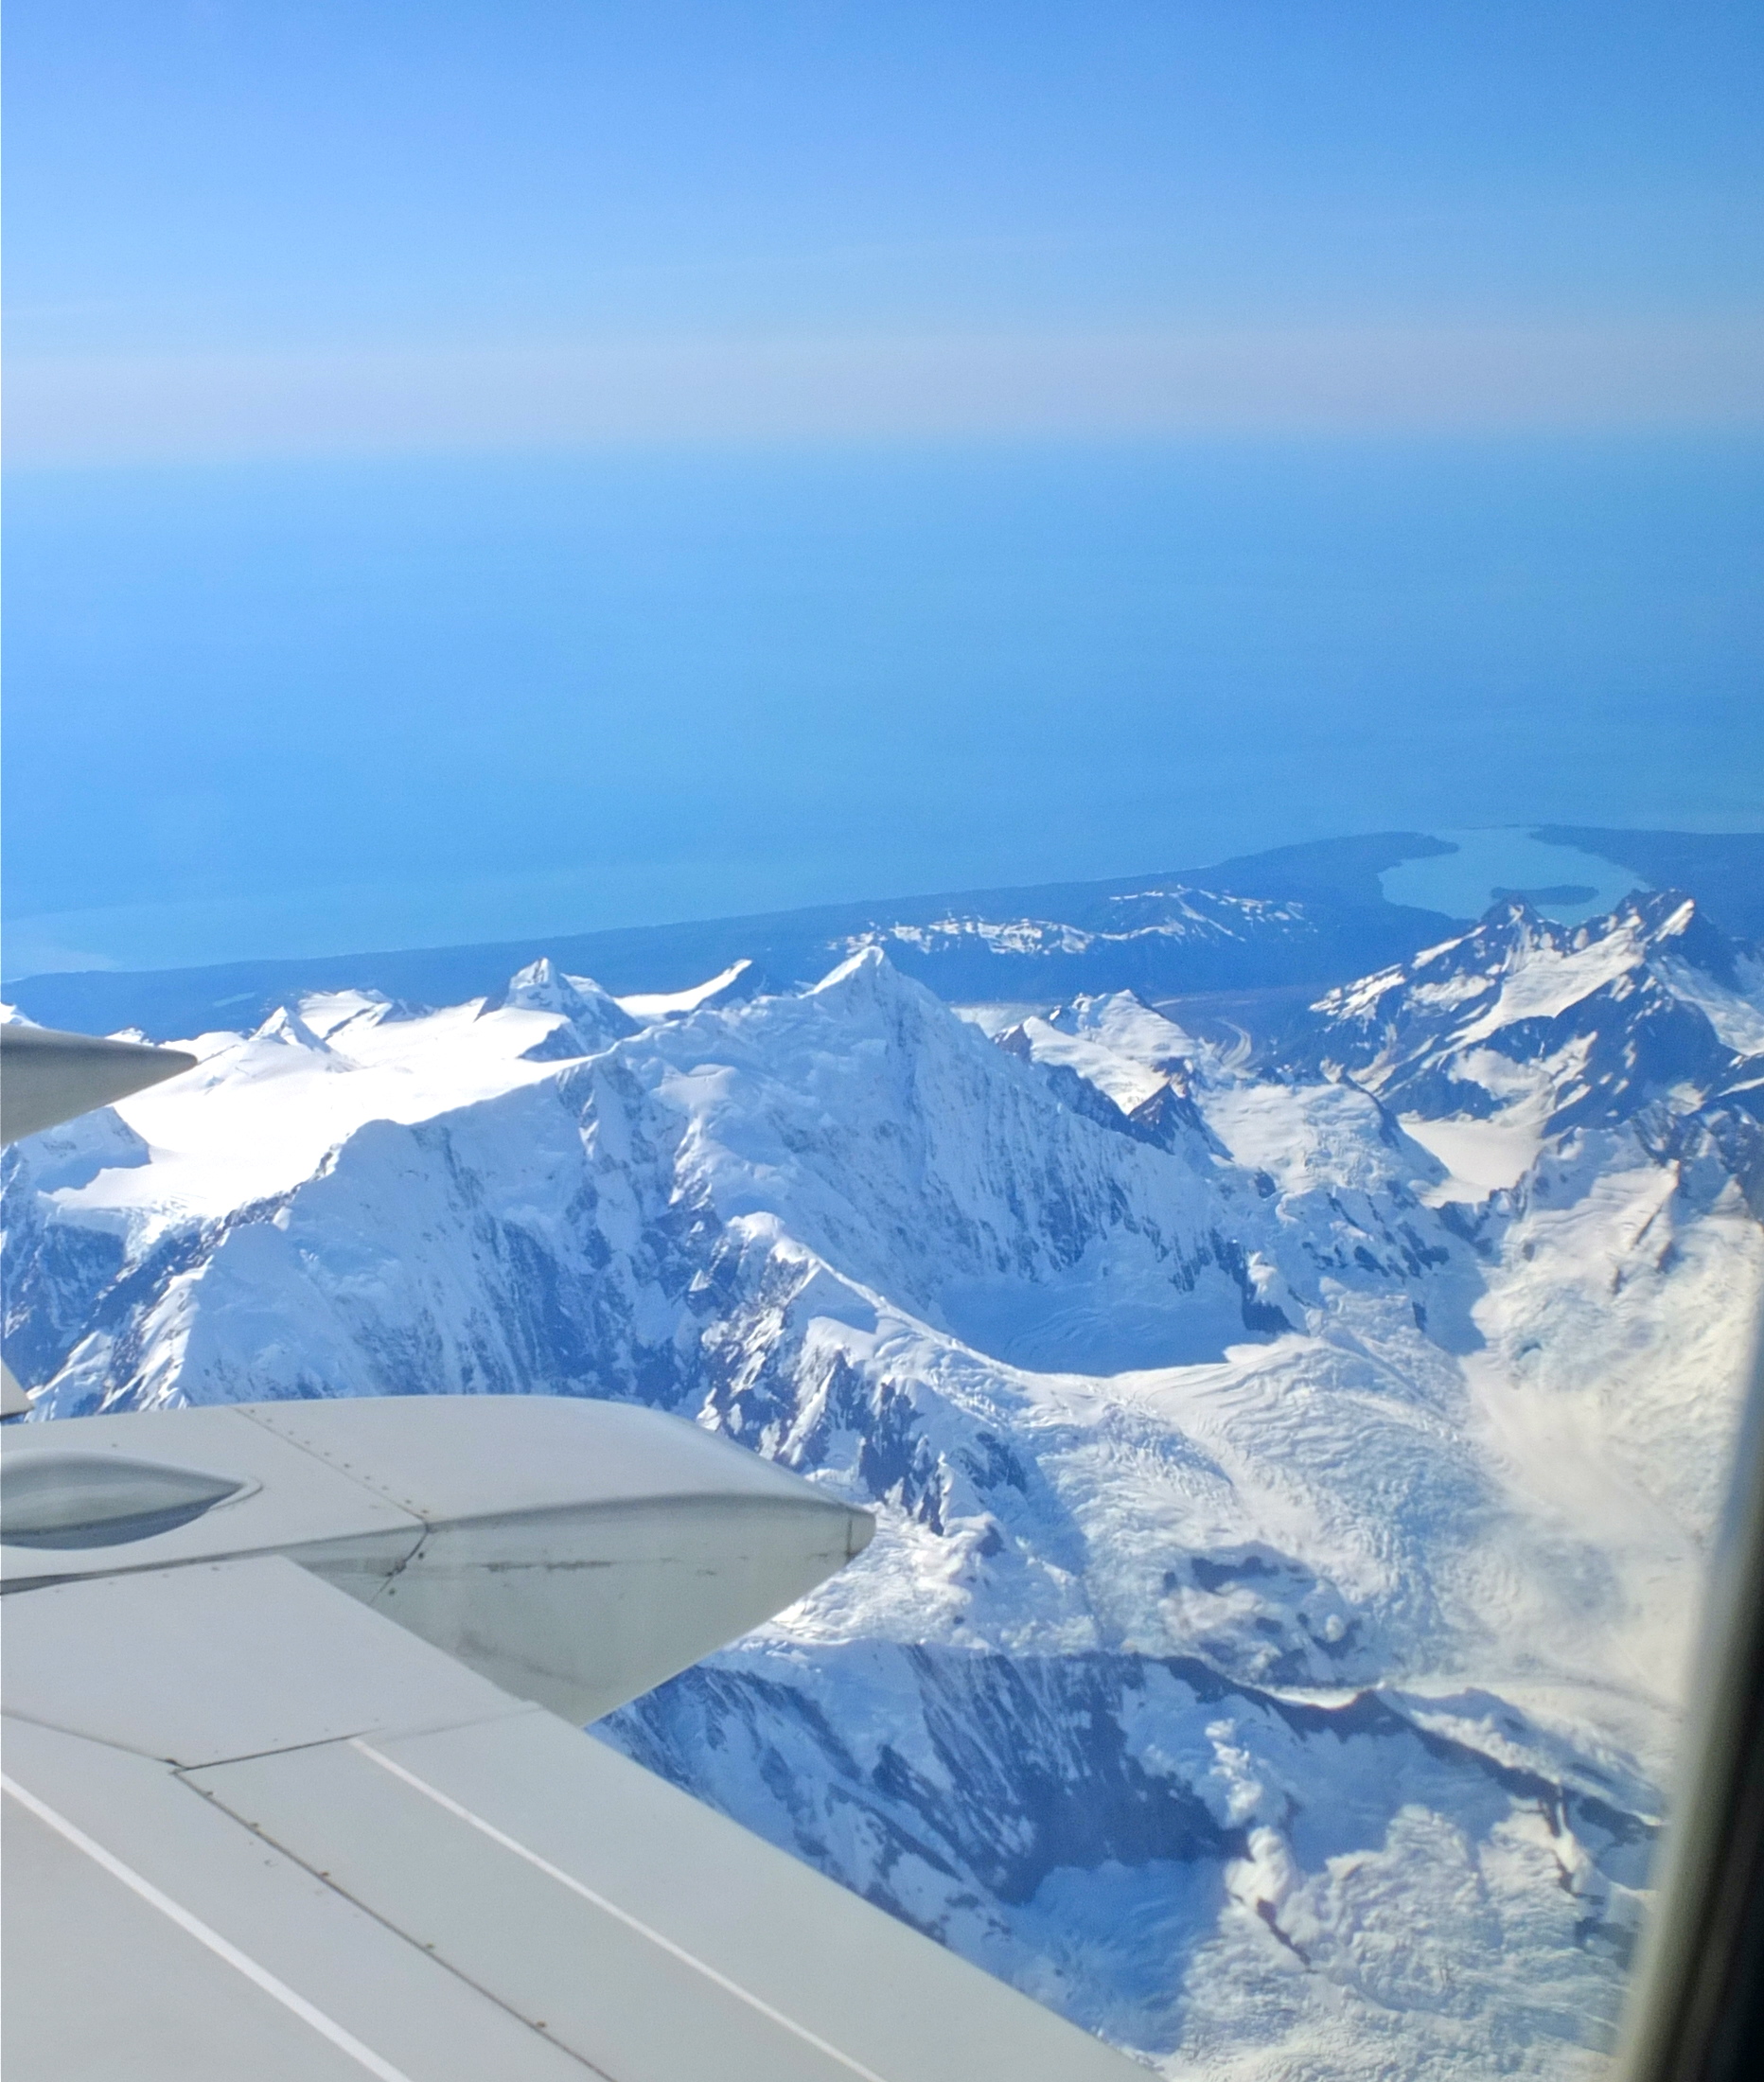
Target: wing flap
(148, 1935)
(459, 1883)
(616, 1991)
(655, 1937)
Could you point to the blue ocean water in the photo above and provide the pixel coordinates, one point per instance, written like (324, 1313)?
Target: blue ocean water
(303, 708)
(1561, 882)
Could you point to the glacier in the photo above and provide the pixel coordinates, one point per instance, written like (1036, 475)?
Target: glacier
(1293, 1465)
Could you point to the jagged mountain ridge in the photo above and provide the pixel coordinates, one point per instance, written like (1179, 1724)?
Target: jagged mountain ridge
(1652, 1012)
(588, 1018)
(1219, 1672)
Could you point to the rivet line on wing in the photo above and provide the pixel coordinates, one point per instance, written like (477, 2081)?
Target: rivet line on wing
(261, 1977)
(612, 1909)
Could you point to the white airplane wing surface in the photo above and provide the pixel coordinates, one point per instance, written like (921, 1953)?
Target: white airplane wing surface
(285, 1795)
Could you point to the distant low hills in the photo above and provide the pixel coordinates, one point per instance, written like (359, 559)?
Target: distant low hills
(1289, 920)
(1723, 871)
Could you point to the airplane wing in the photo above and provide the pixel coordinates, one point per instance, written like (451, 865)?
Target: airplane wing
(284, 1796)
(47, 1077)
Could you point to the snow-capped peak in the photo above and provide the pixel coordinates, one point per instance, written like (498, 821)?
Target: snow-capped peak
(591, 1020)
(867, 964)
(1591, 1022)
(285, 1029)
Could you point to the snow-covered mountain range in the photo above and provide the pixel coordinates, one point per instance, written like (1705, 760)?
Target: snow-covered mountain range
(1293, 1475)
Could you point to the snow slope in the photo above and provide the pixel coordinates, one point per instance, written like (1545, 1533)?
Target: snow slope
(1271, 1647)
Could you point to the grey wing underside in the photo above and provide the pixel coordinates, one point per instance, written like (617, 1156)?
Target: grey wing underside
(255, 1826)
(47, 1077)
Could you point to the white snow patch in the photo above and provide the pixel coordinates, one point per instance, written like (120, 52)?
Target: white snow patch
(1483, 1157)
(1738, 1016)
(648, 1005)
(258, 1115)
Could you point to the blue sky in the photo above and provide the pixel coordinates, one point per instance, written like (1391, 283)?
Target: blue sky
(480, 469)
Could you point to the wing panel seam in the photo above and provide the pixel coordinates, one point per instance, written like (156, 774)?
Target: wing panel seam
(193, 1926)
(611, 1908)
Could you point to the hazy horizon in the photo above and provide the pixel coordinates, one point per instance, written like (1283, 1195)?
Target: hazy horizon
(478, 472)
